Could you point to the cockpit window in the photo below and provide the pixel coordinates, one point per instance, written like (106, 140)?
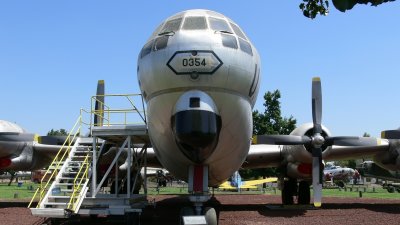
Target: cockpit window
(160, 43)
(219, 25)
(229, 41)
(245, 46)
(215, 14)
(171, 26)
(146, 49)
(195, 23)
(156, 31)
(238, 32)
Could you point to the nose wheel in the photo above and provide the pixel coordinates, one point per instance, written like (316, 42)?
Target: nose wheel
(188, 216)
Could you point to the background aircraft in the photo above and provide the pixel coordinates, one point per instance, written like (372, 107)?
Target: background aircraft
(371, 169)
(23, 151)
(236, 182)
(391, 178)
(339, 175)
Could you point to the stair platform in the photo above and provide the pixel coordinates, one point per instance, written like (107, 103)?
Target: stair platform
(118, 134)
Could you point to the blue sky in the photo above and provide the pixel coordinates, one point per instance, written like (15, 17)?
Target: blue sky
(53, 52)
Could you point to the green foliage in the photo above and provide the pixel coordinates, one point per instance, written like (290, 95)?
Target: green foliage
(311, 8)
(343, 5)
(366, 134)
(60, 132)
(271, 121)
(351, 163)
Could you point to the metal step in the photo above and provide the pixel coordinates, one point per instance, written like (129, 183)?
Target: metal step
(78, 161)
(64, 184)
(60, 197)
(74, 167)
(56, 203)
(70, 172)
(49, 212)
(79, 156)
(67, 178)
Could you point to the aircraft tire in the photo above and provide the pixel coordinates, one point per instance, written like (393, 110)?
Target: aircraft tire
(132, 218)
(304, 195)
(288, 190)
(390, 189)
(211, 216)
(186, 211)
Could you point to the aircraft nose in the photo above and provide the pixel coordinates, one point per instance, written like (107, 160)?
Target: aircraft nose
(196, 125)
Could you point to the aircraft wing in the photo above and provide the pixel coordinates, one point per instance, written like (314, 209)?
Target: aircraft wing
(48, 150)
(253, 183)
(227, 185)
(267, 155)
(263, 156)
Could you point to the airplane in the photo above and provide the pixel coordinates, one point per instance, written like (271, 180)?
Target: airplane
(236, 182)
(372, 170)
(199, 75)
(24, 151)
(339, 174)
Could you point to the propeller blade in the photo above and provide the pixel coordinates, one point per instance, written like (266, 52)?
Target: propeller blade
(390, 134)
(351, 141)
(317, 176)
(99, 104)
(281, 139)
(317, 104)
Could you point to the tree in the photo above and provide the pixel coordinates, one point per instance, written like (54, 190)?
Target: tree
(61, 132)
(311, 8)
(269, 122)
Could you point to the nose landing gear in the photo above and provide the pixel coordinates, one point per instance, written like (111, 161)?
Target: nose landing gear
(199, 194)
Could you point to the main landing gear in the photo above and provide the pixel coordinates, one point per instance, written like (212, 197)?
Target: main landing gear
(199, 194)
(292, 188)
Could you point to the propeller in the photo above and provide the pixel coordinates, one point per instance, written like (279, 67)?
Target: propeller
(316, 141)
(99, 104)
(391, 134)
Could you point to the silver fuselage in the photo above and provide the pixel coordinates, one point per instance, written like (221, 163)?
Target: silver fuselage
(229, 86)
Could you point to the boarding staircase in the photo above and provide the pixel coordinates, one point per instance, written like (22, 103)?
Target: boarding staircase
(71, 171)
(71, 186)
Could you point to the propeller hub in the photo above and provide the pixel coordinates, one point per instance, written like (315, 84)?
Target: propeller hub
(317, 140)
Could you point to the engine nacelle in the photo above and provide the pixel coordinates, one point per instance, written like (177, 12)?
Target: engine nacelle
(298, 157)
(390, 160)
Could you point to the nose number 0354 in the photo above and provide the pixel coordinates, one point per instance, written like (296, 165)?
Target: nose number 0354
(190, 62)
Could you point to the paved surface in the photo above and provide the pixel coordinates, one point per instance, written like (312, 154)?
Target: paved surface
(242, 209)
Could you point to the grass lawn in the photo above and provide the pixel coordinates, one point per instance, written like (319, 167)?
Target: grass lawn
(378, 192)
(23, 192)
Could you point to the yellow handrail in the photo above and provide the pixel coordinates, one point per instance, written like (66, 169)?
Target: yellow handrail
(78, 187)
(57, 162)
(106, 113)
